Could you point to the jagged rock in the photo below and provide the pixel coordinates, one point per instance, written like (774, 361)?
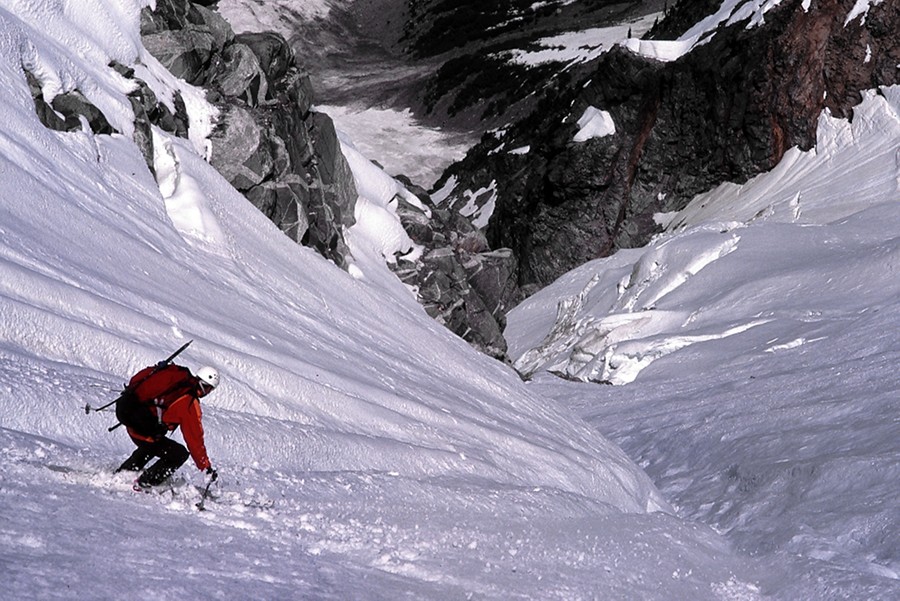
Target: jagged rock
(285, 204)
(184, 37)
(174, 15)
(273, 52)
(240, 149)
(143, 134)
(482, 330)
(459, 281)
(68, 111)
(45, 112)
(492, 275)
(333, 169)
(297, 88)
(186, 53)
(148, 111)
(218, 27)
(147, 106)
(176, 123)
(75, 107)
(292, 141)
(238, 74)
(166, 15)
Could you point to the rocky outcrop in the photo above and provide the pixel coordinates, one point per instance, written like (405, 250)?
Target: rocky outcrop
(267, 143)
(69, 111)
(724, 112)
(459, 280)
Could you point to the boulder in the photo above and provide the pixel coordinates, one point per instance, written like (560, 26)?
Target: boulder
(333, 170)
(237, 74)
(240, 149)
(284, 204)
(272, 50)
(492, 276)
(186, 53)
(218, 27)
(70, 111)
(297, 88)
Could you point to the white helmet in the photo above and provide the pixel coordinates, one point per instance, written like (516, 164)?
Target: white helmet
(208, 375)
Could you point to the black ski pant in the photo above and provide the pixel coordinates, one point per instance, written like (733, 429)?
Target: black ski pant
(172, 456)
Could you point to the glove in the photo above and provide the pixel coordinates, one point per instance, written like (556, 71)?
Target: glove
(161, 364)
(213, 474)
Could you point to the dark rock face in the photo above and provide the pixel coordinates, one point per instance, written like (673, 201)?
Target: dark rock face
(476, 86)
(725, 112)
(267, 143)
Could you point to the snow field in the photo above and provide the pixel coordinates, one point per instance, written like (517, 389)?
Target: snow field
(757, 341)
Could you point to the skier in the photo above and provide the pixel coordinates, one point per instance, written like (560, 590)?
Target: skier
(148, 423)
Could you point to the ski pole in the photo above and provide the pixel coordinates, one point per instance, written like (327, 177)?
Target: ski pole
(200, 505)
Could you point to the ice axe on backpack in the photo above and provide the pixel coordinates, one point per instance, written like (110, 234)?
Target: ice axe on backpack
(160, 365)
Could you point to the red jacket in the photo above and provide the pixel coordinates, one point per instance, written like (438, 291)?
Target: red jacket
(185, 412)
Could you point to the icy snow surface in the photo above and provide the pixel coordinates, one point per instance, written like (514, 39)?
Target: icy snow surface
(254, 15)
(756, 347)
(401, 143)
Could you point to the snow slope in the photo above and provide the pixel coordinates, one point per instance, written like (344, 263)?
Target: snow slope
(364, 452)
(756, 347)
